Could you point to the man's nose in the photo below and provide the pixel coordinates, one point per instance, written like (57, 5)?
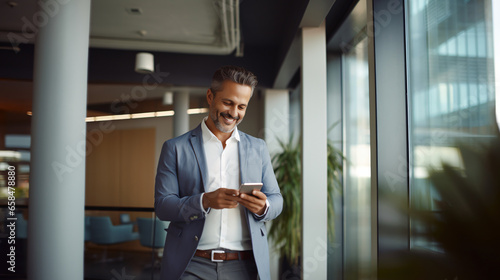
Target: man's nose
(233, 112)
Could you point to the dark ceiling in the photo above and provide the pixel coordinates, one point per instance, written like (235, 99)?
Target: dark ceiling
(267, 29)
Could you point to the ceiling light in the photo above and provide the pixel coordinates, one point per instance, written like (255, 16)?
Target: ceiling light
(11, 48)
(122, 117)
(168, 98)
(165, 113)
(10, 154)
(143, 115)
(144, 63)
(135, 11)
(195, 111)
(168, 113)
(103, 118)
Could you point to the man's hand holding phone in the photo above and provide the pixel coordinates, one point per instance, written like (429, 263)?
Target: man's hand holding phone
(252, 198)
(249, 195)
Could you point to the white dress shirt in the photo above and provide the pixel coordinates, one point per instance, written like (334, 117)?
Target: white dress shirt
(224, 228)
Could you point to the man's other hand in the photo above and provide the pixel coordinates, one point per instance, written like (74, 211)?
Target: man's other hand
(255, 203)
(221, 198)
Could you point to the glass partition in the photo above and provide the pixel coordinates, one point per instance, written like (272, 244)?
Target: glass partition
(123, 242)
(119, 242)
(451, 90)
(357, 183)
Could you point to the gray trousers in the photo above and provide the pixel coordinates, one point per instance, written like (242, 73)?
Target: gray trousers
(205, 269)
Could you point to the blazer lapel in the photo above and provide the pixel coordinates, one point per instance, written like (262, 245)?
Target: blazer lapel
(243, 151)
(197, 144)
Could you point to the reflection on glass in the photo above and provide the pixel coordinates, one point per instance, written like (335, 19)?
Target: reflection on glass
(451, 90)
(357, 168)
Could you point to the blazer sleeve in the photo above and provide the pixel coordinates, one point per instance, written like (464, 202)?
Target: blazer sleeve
(170, 204)
(270, 186)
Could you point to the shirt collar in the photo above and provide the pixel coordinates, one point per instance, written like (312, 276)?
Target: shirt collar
(208, 135)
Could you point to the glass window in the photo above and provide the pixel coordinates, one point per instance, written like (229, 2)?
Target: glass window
(451, 90)
(357, 253)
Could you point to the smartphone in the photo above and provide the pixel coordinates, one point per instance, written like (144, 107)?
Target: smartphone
(249, 187)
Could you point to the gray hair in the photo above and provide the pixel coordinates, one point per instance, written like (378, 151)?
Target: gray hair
(235, 74)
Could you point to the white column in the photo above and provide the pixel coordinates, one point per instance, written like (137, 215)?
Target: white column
(276, 118)
(277, 126)
(314, 153)
(181, 117)
(57, 191)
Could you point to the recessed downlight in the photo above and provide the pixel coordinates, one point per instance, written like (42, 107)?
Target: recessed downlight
(134, 11)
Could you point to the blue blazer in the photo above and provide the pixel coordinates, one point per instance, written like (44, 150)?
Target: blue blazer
(181, 178)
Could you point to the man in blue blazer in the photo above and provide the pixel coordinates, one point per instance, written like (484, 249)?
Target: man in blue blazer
(215, 231)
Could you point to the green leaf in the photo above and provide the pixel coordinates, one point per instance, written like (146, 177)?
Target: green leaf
(287, 228)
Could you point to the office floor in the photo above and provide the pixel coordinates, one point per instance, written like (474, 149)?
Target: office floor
(102, 264)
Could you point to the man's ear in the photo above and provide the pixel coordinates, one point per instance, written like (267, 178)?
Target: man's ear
(210, 96)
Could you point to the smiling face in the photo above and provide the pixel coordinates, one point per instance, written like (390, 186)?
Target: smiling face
(227, 108)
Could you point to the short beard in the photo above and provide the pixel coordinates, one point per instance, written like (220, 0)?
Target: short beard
(214, 116)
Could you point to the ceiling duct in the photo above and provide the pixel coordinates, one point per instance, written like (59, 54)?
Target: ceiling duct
(203, 27)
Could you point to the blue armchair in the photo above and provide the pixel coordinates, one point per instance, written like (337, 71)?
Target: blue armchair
(152, 235)
(146, 226)
(125, 219)
(87, 228)
(102, 231)
(21, 227)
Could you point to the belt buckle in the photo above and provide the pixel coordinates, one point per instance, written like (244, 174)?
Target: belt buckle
(216, 252)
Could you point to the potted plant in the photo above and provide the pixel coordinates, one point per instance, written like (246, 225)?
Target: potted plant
(286, 229)
(466, 226)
